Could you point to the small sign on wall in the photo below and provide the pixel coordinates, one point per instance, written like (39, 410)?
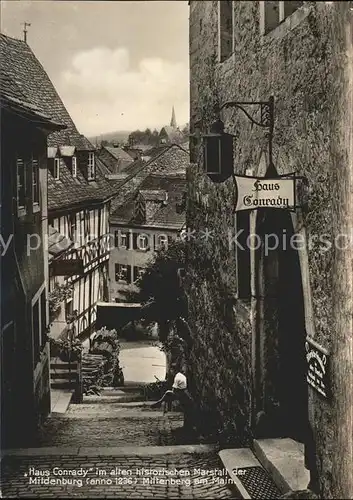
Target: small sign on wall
(317, 367)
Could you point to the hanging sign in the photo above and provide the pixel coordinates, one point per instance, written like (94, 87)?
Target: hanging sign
(260, 192)
(66, 267)
(317, 367)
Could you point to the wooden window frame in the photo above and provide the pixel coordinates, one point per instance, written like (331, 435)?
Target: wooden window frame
(69, 308)
(74, 166)
(56, 170)
(35, 182)
(281, 15)
(120, 268)
(220, 39)
(21, 197)
(138, 271)
(91, 166)
(140, 247)
(165, 242)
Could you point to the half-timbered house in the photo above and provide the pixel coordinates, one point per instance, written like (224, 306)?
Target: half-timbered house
(25, 124)
(78, 208)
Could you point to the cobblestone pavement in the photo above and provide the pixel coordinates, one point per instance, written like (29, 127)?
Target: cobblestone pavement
(111, 440)
(126, 428)
(169, 476)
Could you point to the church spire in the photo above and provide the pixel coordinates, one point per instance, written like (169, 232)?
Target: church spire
(173, 120)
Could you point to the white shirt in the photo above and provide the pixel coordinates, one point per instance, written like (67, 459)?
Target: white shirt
(179, 381)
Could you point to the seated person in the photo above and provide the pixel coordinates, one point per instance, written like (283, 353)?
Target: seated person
(179, 391)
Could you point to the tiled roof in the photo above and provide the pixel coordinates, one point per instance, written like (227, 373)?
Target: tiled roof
(20, 65)
(14, 99)
(69, 191)
(114, 159)
(167, 160)
(169, 215)
(118, 153)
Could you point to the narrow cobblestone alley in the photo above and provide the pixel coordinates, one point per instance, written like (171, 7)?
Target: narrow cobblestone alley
(110, 447)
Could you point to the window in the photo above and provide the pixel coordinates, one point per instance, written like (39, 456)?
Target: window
(225, 29)
(74, 166)
(142, 242)
(72, 227)
(243, 254)
(162, 241)
(35, 181)
(138, 273)
(21, 184)
(56, 172)
(288, 8)
(122, 273)
(69, 309)
(91, 172)
(273, 13)
(122, 239)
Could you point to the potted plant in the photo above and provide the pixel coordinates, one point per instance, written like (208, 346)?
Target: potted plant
(66, 349)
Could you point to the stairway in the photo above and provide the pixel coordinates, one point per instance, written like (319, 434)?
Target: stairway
(64, 383)
(63, 375)
(272, 468)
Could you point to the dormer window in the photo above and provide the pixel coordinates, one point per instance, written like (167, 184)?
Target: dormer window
(74, 166)
(91, 171)
(56, 172)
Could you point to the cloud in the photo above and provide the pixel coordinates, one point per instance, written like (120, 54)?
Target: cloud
(104, 93)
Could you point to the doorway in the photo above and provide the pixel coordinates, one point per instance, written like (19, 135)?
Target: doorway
(281, 388)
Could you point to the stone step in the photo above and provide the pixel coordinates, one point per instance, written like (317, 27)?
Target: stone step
(62, 383)
(60, 400)
(284, 460)
(63, 375)
(125, 388)
(246, 476)
(63, 366)
(117, 404)
(111, 399)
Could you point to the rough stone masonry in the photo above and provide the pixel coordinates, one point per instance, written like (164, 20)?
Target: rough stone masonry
(306, 64)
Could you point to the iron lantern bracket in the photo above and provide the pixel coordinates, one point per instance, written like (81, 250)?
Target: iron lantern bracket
(266, 116)
(266, 109)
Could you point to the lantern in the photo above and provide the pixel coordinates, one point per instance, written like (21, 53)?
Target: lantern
(218, 153)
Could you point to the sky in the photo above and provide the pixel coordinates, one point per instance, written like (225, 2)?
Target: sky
(117, 65)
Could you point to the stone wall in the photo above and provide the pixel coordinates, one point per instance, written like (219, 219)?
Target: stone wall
(301, 63)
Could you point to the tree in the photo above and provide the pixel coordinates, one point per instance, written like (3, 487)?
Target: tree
(161, 293)
(186, 129)
(146, 137)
